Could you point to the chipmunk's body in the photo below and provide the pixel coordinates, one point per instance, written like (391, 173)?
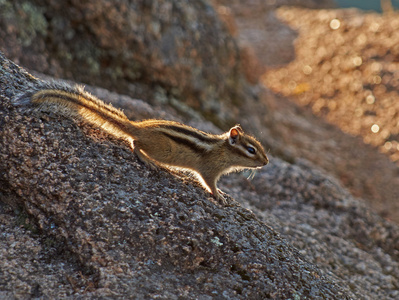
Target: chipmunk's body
(159, 141)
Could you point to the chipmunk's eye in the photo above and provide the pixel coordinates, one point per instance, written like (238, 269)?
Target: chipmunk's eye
(251, 150)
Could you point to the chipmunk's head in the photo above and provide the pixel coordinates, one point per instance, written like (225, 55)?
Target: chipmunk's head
(249, 152)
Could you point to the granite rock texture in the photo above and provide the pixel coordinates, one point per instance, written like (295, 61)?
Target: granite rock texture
(93, 221)
(123, 229)
(80, 217)
(154, 50)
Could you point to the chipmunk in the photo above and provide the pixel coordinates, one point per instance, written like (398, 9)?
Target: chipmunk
(157, 142)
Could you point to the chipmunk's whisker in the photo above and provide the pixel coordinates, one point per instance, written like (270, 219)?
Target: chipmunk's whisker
(252, 174)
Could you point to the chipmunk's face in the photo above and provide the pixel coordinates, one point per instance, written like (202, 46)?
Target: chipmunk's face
(250, 152)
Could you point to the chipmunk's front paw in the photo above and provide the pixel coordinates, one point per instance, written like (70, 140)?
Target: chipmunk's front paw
(219, 196)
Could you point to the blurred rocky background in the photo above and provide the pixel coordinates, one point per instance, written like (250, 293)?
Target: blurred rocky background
(338, 65)
(315, 84)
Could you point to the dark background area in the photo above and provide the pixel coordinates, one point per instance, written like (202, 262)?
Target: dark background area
(365, 5)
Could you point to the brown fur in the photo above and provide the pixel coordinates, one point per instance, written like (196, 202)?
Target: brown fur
(159, 141)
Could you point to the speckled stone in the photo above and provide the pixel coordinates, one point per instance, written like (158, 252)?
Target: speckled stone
(99, 223)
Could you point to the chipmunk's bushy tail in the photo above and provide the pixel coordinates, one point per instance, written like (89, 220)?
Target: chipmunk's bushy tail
(75, 103)
(24, 98)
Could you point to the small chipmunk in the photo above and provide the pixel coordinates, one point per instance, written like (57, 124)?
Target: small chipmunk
(157, 142)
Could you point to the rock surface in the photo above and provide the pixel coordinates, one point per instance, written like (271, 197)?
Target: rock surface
(154, 50)
(81, 217)
(99, 223)
(123, 229)
(321, 75)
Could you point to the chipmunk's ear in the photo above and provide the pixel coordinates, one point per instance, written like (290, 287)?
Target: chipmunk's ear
(234, 134)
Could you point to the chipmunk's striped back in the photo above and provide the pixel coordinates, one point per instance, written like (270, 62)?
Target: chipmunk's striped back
(184, 135)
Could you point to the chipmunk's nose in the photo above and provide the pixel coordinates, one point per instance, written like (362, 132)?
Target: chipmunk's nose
(266, 161)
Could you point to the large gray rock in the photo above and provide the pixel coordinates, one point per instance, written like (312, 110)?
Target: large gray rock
(154, 50)
(99, 223)
(81, 217)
